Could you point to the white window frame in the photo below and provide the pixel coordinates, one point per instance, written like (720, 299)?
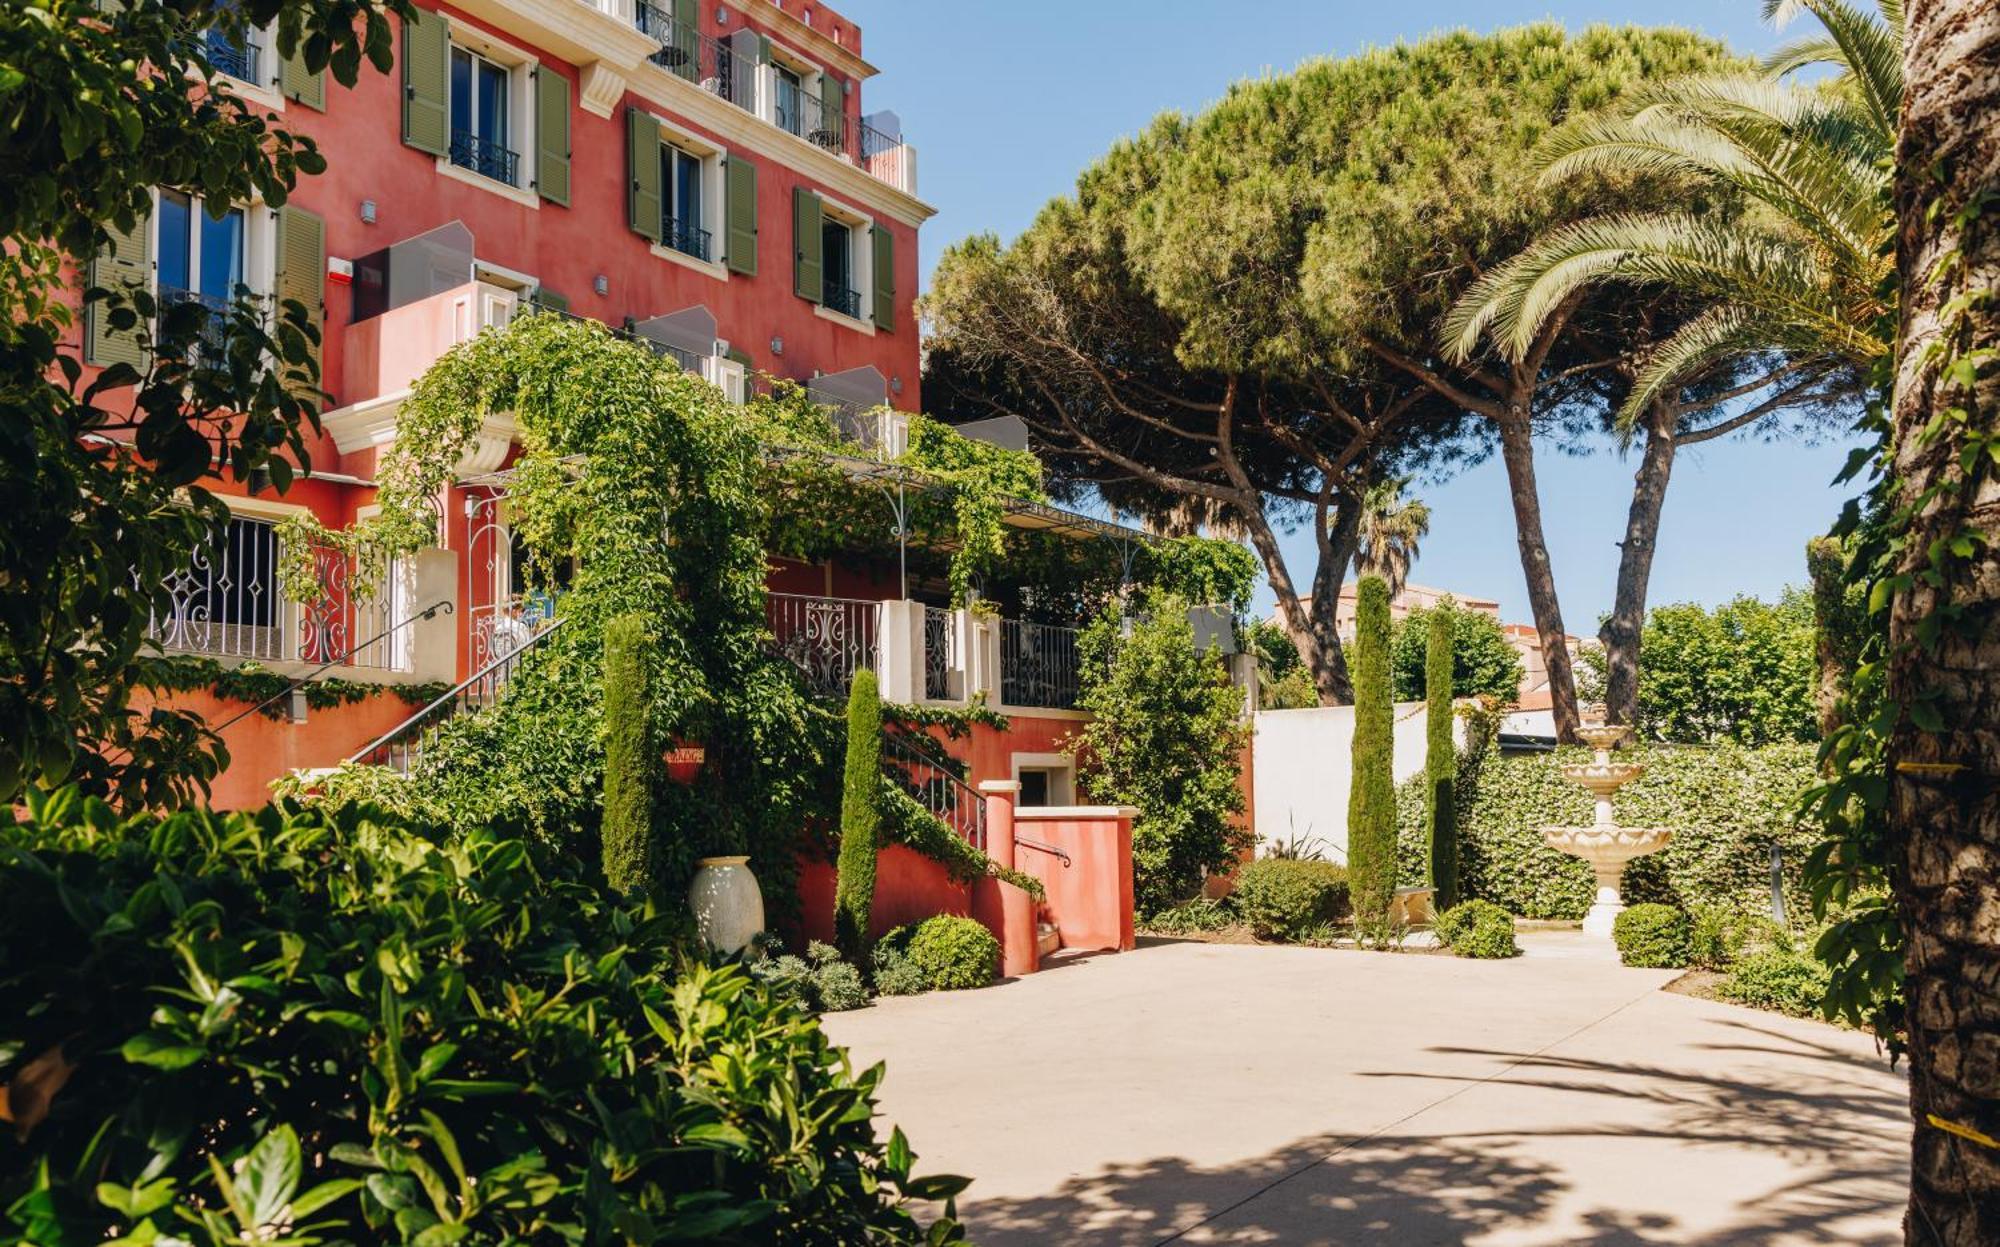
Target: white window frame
(260, 246)
(860, 266)
(1062, 776)
(713, 207)
(520, 66)
(265, 94)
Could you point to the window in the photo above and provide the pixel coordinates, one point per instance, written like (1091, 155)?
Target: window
(681, 203)
(1045, 784)
(232, 55)
(481, 93)
(791, 102)
(837, 254)
(201, 259)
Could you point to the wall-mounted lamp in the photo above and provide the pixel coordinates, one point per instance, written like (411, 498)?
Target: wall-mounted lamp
(722, 347)
(777, 345)
(601, 284)
(368, 212)
(895, 385)
(721, 15)
(298, 705)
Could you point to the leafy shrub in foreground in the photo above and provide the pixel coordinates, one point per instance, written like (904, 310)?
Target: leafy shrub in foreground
(1652, 936)
(468, 1025)
(1283, 898)
(953, 952)
(1478, 929)
(1783, 978)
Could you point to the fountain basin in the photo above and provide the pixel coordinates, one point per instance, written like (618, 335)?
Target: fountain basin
(1603, 778)
(1606, 849)
(1603, 736)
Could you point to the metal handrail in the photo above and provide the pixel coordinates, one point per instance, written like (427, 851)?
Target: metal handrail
(939, 787)
(1043, 846)
(501, 667)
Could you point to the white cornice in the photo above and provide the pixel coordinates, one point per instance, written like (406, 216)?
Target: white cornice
(599, 88)
(568, 29)
(372, 424)
(795, 31)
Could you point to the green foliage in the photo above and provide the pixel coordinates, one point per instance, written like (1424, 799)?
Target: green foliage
(1478, 929)
(471, 1040)
(254, 684)
(909, 824)
(953, 953)
(895, 973)
(860, 816)
(1653, 936)
(820, 979)
(1484, 663)
(93, 533)
(631, 756)
(1199, 914)
(1167, 736)
(1726, 806)
(1744, 672)
(1285, 898)
(1283, 682)
(1840, 626)
(1440, 762)
(1199, 571)
(1779, 978)
(1371, 804)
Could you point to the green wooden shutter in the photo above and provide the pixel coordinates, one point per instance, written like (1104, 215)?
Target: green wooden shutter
(833, 111)
(885, 277)
(551, 301)
(301, 269)
(299, 83)
(126, 264)
(739, 242)
(687, 60)
(642, 153)
(552, 135)
(806, 268)
(426, 78)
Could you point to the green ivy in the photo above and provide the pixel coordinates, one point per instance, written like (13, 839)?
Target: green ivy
(249, 682)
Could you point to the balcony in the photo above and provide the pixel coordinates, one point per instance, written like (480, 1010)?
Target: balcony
(836, 297)
(927, 653)
(386, 353)
(228, 603)
(723, 70)
(210, 341)
(1038, 665)
(827, 639)
(237, 58)
(683, 237)
(485, 157)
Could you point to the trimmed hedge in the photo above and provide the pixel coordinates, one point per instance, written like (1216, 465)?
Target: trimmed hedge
(1652, 937)
(1478, 929)
(1783, 979)
(1727, 806)
(1284, 898)
(953, 953)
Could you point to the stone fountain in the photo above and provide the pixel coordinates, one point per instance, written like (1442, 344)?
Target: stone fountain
(1604, 844)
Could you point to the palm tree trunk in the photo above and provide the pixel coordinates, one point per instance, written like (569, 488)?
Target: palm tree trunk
(1517, 451)
(1944, 757)
(1622, 630)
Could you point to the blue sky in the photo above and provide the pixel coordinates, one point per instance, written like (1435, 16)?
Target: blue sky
(1007, 102)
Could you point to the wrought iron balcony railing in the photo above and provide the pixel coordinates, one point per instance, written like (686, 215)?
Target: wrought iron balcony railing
(1038, 665)
(683, 237)
(940, 652)
(828, 639)
(238, 59)
(485, 157)
(211, 337)
(838, 298)
(710, 63)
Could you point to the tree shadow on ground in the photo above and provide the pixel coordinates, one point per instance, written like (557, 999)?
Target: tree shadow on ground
(1840, 1135)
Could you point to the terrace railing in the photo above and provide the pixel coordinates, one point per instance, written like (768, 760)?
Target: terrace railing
(403, 745)
(1038, 665)
(937, 782)
(712, 64)
(940, 652)
(827, 639)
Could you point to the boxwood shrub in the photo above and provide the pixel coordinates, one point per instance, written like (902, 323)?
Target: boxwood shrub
(332, 1026)
(1652, 936)
(1784, 978)
(1477, 929)
(953, 952)
(1727, 806)
(1284, 898)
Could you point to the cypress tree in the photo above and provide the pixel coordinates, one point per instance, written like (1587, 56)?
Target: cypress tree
(860, 816)
(630, 756)
(1371, 802)
(1440, 763)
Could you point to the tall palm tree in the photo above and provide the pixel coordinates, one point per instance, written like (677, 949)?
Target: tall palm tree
(1392, 527)
(1792, 263)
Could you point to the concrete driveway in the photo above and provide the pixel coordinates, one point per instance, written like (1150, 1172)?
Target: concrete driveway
(1205, 1093)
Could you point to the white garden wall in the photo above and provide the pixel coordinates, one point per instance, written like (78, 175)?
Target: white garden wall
(1303, 768)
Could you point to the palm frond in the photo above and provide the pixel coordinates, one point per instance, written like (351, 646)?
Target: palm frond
(1717, 334)
(1870, 48)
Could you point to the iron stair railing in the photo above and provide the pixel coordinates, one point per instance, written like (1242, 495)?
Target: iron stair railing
(401, 746)
(935, 780)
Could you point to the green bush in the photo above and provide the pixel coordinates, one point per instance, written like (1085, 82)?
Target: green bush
(819, 980)
(1484, 663)
(1652, 936)
(466, 1036)
(1283, 898)
(860, 816)
(1477, 929)
(1371, 802)
(1782, 978)
(953, 953)
(1726, 806)
(895, 973)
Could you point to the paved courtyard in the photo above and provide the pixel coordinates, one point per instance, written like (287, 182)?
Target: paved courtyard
(1203, 1093)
